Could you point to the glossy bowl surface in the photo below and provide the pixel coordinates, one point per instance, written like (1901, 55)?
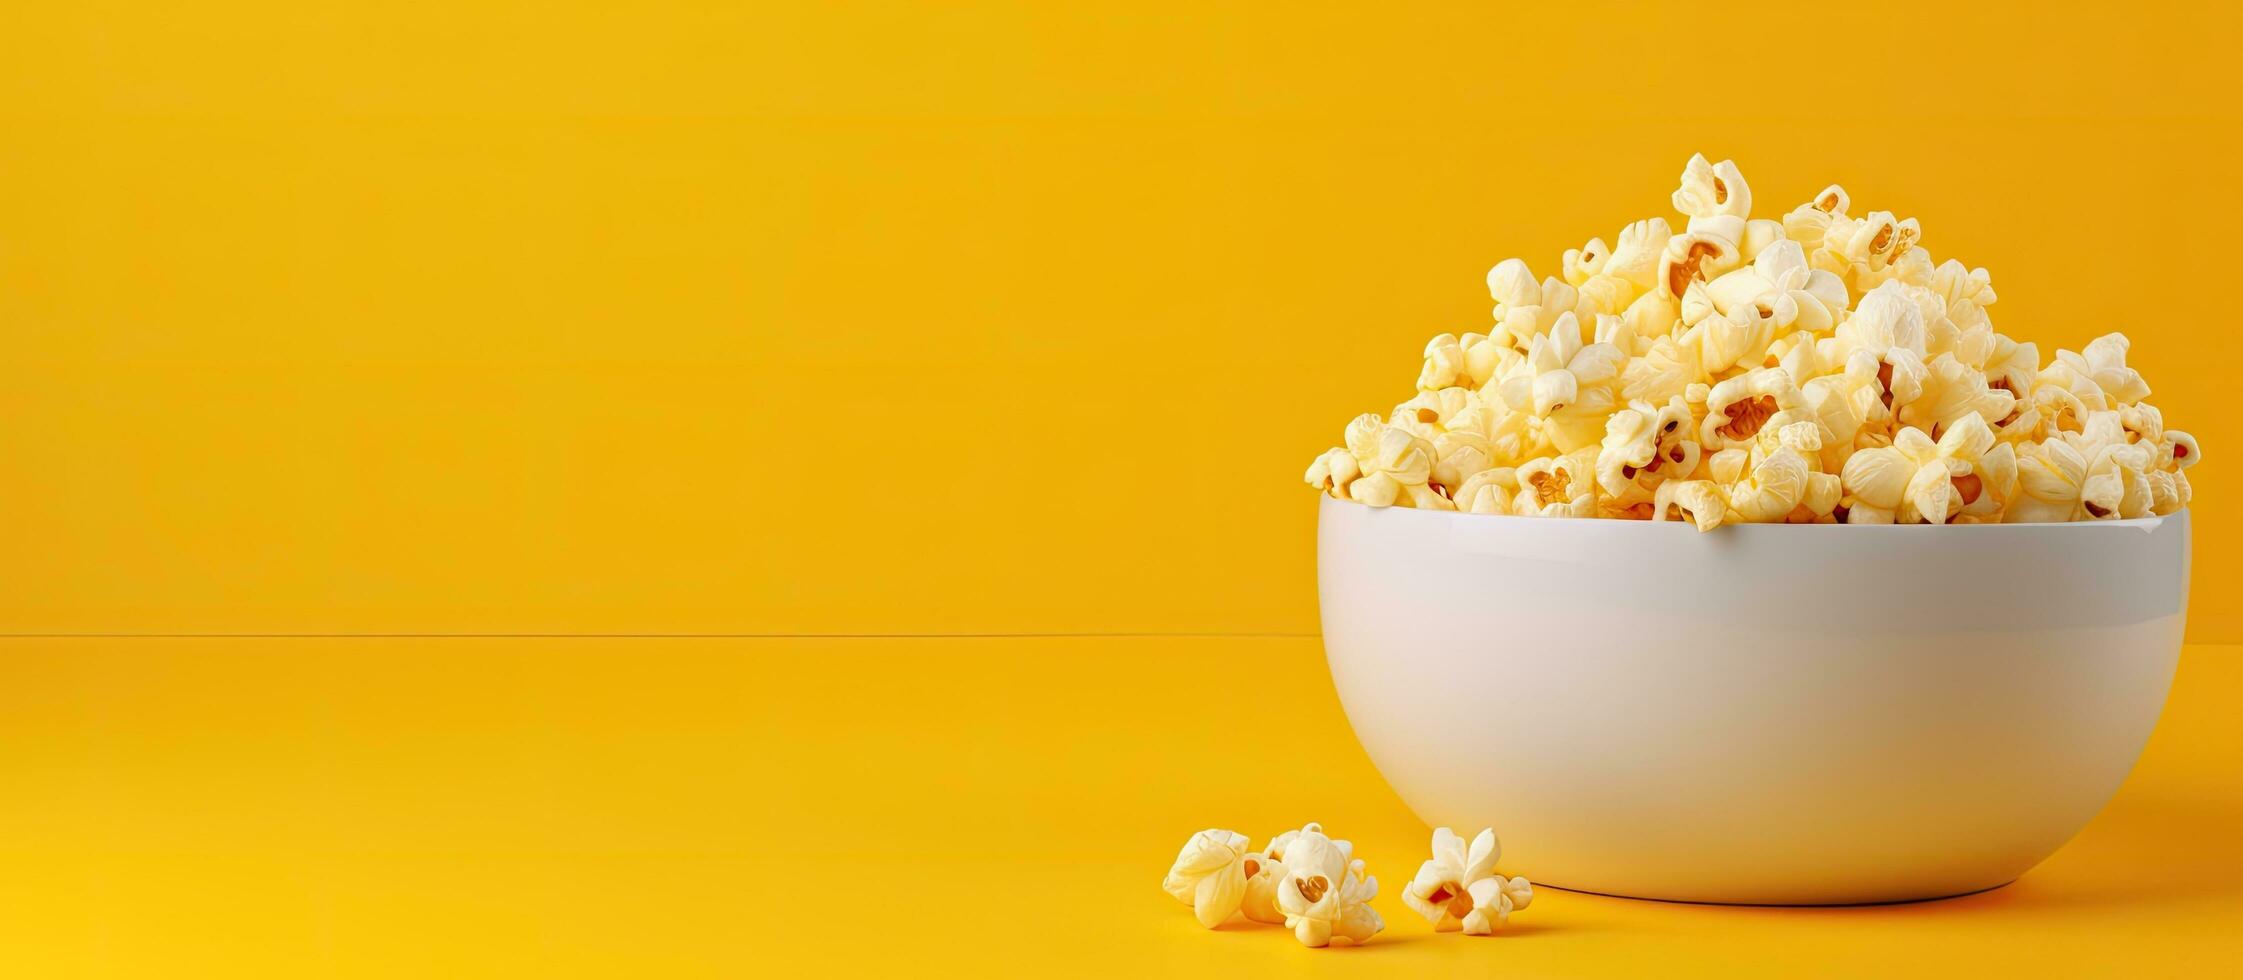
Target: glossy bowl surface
(1810, 714)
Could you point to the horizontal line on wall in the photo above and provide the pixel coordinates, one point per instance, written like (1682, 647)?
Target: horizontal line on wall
(644, 636)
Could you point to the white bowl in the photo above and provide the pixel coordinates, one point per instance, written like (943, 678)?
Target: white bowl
(1811, 714)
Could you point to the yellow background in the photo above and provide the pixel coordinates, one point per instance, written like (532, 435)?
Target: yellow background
(867, 318)
(739, 318)
(942, 807)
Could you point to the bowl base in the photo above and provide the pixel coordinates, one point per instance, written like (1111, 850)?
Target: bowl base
(1780, 905)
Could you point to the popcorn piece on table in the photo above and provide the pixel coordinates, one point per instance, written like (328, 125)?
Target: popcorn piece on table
(1263, 874)
(1494, 898)
(1458, 888)
(1210, 875)
(1325, 895)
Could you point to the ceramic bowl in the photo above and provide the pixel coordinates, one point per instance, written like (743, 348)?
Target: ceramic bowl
(1767, 714)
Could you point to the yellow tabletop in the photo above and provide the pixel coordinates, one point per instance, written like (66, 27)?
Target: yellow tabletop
(731, 807)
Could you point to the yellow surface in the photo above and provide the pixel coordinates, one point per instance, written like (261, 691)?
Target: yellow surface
(998, 317)
(941, 807)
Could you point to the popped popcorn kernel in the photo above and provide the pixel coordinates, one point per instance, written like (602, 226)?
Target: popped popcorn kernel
(2183, 449)
(1263, 875)
(1494, 898)
(1556, 486)
(1700, 502)
(1819, 367)
(1441, 890)
(1458, 889)
(1325, 895)
(1210, 875)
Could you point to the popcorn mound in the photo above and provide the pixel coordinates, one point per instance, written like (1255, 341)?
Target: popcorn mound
(1818, 369)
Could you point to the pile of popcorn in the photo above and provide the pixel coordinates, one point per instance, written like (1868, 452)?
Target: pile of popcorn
(1316, 887)
(1817, 369)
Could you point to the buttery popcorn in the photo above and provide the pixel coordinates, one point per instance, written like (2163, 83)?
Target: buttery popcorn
(1301, 879)
(1458, 888)
(1820, 368)
(1210, 875)
(1324, 894)
(1494, 898)
(1263, 874)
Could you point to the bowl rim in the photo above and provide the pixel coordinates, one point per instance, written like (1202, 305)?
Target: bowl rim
(2144, 523)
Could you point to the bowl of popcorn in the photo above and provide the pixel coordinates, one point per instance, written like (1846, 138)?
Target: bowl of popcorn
(1862, 600)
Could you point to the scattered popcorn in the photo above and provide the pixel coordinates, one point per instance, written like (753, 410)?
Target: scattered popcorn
(1818, 369)
(1324, 894)
(1494, 898)
(1263, 875)
(1316, 887)
(1303, 880)
(1441, 890)
(1210, 875)
(1278, 845)
(1458, 888)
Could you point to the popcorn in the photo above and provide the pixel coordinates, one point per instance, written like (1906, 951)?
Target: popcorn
(1458, 456)
(1458, 888)
(1862, 250)
(1556, 486)
(1431, 413)
(1693, 257)
(1440, 892)
(2183, 448)
(1967, 292)
(1665, 370)
(1487, 356)
(1809, 223)
(1524, 308)
(1393, 466)
(1824, 367)
(1885, 338)
(2093, 474)
(1760, 233)
(1737, 340)
(1279, 844)
(1494, 898)
(1564, 381)
(1776, 486)
(2165, 492)
(1581, 264)
(1991, 484)
(2054, 477)
(1209, 875)
(1316, 887)
(1513, 285)
(1950, 390)
(1606, 295)
(1846, 405)
(1700, 502)
(1324, 894)
(1916, 480)
(2103, 363)
(2060, 409)
(1630, 447)
(1718, 203)
(1784, 289)
(1738, 407)
(1444, 364)
(1636, 257)
(1263, 875)
(2143, 424)
(1488, 491)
